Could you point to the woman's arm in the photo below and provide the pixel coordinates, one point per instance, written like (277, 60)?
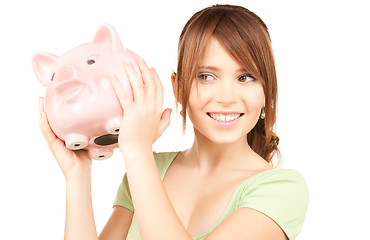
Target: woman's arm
(80, 222)
(154, 212)
(118, 224)
(143, 122)
(76, 167)
(246, 223)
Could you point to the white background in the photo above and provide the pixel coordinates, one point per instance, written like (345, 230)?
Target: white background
(322, 55)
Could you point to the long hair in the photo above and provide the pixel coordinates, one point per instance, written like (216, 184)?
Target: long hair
(245, 36)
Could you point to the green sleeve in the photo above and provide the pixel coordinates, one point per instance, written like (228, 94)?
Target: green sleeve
(280, 194)
(123, 197)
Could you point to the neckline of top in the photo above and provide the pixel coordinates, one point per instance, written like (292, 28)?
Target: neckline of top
(225, 214)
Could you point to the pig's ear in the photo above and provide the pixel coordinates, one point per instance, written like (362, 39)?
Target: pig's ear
(42, 64)
(107, 34)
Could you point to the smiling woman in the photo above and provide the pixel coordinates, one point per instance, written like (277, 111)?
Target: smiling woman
(244, 39)
(224, 186)
(226, 105)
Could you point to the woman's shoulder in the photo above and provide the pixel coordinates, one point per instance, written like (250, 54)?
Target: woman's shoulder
(281, 194)
(275, 188)
(278, 180)
(279, 175)
(164, 160)
(162, 156)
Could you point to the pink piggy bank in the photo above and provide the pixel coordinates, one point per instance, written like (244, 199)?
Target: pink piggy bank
(80, 102)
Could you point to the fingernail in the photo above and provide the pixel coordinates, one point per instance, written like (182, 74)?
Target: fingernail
(141, 61)
(40, 102)
(41, 107)
(113, 79)
(129, 66)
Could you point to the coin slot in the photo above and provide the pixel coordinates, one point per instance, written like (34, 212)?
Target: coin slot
(107, 139)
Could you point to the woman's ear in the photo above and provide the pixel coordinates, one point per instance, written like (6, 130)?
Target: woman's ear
(174, 87)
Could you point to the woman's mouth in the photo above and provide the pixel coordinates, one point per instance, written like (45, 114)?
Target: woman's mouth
(224, 117)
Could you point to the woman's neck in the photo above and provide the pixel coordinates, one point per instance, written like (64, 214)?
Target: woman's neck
(208, 156)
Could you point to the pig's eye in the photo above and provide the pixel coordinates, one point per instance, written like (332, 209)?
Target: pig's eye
(52, 76)
(92, 59)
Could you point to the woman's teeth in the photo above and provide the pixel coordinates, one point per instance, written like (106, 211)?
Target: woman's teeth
(224, 117)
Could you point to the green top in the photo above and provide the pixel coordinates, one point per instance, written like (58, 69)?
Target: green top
(281, 194)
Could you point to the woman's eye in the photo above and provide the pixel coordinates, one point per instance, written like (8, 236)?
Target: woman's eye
(206, 77)
(246, 78)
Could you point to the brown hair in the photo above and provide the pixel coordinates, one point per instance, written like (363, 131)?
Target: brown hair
(245, 36)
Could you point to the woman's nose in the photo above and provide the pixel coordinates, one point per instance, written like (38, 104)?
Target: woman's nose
(226, 92)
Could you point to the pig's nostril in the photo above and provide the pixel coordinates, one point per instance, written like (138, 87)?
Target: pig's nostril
(77, 145)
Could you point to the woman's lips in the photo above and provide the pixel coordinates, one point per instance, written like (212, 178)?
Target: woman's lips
(225, 118)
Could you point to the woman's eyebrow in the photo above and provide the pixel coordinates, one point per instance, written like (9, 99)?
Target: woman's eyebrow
(209, 67)
(217, 69)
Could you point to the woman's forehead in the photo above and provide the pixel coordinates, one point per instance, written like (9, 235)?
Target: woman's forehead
(216, 57)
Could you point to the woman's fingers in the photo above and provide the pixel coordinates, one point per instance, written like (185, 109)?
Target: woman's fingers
(148, 90)
(121, 94)
(149, 86)
(136, 83)
(158, 87)
(165, 120)
(56, 145)
(44, 123)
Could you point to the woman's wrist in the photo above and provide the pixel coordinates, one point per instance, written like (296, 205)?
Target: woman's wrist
(136, 153)
(79, 173)
(132, 149)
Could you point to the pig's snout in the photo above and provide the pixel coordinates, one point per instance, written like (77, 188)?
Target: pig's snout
(65, 73)
(67, 83)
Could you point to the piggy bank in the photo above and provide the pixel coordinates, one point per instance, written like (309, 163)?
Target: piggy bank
(80, 102)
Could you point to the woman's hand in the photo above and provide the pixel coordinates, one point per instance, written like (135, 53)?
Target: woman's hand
(144, 120)
(71, 162)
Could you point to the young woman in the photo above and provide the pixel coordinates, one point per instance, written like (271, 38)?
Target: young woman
(225, 185)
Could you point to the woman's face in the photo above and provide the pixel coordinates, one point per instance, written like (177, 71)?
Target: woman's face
(225, 100)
